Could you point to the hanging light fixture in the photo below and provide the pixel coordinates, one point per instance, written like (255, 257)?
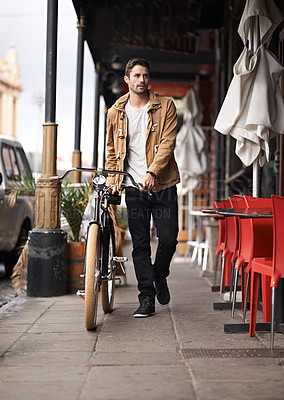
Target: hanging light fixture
(116, 62)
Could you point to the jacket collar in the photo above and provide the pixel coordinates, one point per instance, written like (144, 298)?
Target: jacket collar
(154, 99)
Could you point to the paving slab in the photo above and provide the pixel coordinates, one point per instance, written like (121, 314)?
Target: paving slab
(7, 327)
(78, 327)
(53, 359)
(239, 390)
(139, 383)
(62, 316)
(43, 373)
(55, 342)
(250, 370)
(136, 346)
(34, 390)
(136, 358)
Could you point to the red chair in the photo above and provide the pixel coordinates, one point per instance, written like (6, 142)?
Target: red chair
(221, 222)
(230, 251)
(232, 237)
(237, 202)
(221, 239)
(265, 249)
(222, 248)
(272, 267)
(255, 240)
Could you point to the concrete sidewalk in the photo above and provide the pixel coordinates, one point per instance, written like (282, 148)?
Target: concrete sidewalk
(180, 353)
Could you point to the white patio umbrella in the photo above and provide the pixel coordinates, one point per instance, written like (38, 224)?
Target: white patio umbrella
(253, 109)
(190, 151)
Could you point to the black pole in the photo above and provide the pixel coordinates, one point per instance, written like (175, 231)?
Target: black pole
(96, 116)
(105, 136)
(51, 61)
(220, 164)
(217, 106)
(46, 275)
(79, 82)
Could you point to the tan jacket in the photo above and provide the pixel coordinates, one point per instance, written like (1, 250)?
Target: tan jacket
(160, 140)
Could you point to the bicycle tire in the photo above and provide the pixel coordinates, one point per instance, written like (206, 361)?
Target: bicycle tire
(92, 276)
(108, 286)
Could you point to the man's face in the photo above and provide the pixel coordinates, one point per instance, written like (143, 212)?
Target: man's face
(138, 81)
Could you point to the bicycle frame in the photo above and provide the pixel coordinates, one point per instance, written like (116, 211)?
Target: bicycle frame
(101, 214)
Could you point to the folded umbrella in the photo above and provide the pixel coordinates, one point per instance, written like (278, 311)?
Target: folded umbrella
(253, 109)
(190, 145)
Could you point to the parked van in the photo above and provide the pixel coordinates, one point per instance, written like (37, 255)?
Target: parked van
(15, 222)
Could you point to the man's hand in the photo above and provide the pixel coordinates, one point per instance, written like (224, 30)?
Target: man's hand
(112, 188)
(148, 182)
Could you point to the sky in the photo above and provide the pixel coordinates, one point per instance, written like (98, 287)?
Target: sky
(23, 24)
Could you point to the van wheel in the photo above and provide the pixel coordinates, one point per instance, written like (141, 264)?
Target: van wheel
(11, 258)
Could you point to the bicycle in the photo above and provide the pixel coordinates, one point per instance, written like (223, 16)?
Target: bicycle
(100, 259)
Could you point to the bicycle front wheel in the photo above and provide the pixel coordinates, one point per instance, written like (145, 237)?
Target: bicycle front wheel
(108, 281)
(92, 276)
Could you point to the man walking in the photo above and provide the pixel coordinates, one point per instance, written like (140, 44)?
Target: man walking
(141, 140)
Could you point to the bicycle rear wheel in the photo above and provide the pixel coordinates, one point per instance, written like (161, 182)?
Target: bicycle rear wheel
(108, 268)
(92, 276)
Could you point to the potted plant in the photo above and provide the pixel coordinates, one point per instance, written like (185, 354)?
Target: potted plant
(74, 200)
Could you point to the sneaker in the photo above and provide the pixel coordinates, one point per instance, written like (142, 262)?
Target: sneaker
(162, 290)
(145, 309)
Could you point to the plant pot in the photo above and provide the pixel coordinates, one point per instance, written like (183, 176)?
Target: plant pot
(75, 266)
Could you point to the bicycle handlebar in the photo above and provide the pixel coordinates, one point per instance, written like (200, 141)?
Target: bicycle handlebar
(97, 170)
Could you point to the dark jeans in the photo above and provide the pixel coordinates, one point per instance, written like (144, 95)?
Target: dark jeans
(163, 207)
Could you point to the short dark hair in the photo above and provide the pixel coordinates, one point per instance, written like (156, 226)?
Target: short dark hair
(136, 61)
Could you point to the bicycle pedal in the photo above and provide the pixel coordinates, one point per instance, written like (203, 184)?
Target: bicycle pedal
(120, 259)
(81, 293)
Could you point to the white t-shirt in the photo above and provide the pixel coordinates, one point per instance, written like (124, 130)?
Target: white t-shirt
(135, 160)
